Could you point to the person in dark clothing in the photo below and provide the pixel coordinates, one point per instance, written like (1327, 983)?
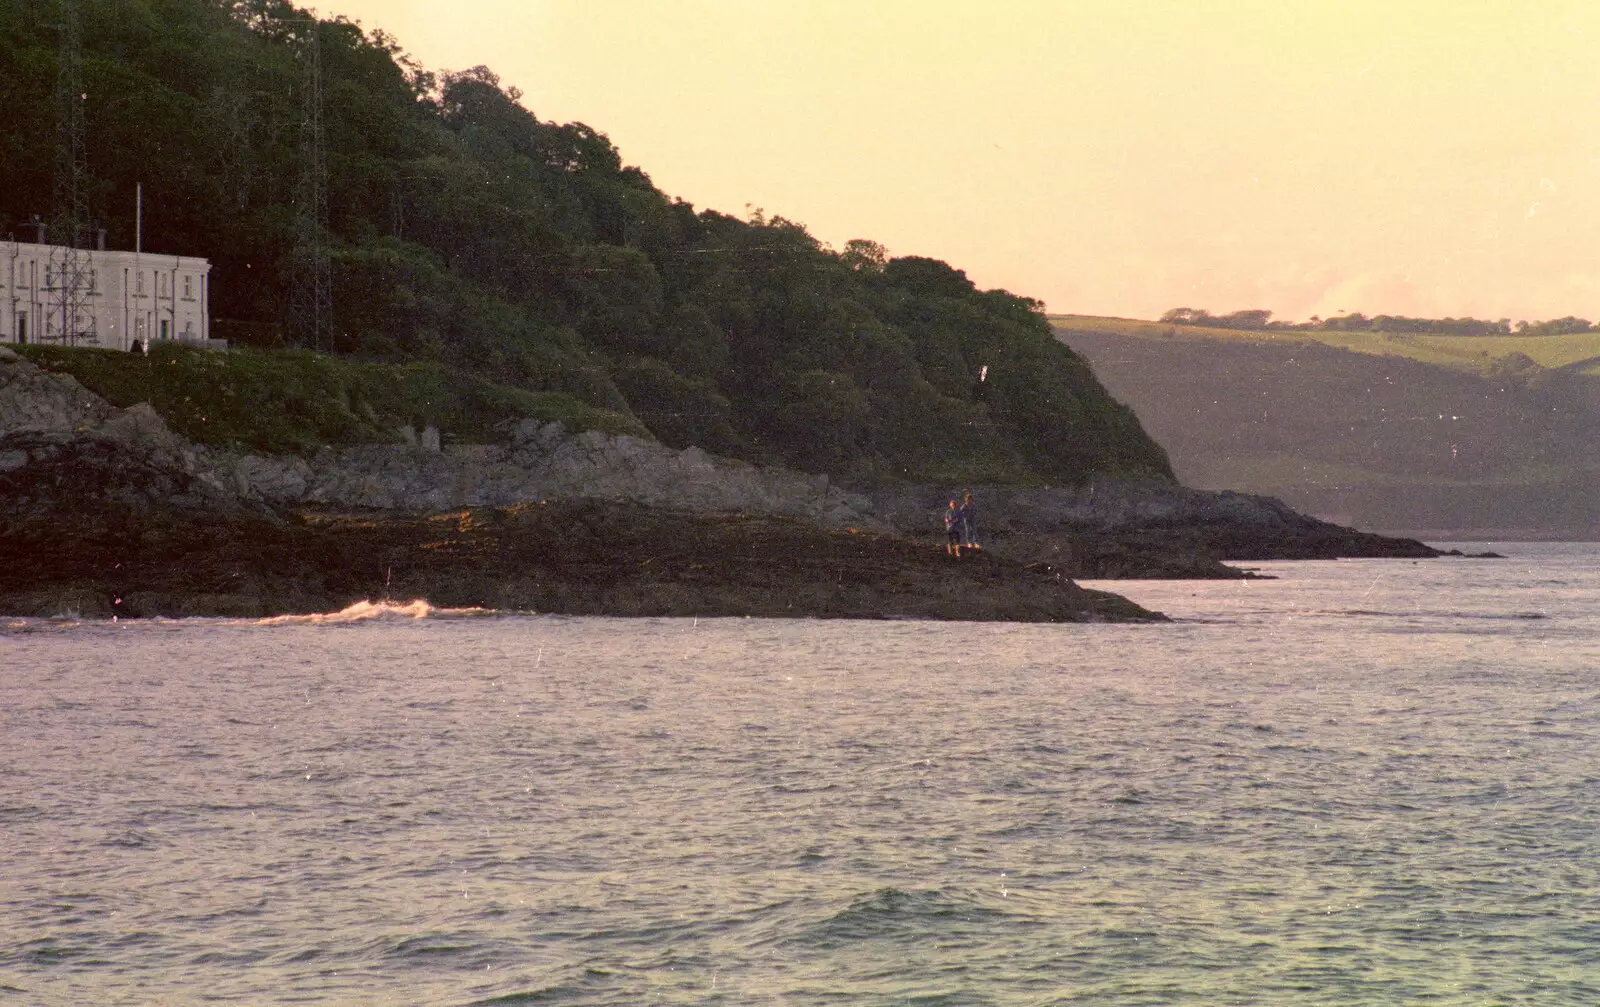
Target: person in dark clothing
(969, 522)
(952, 529)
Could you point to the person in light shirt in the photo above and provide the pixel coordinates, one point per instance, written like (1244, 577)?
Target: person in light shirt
(969, 522)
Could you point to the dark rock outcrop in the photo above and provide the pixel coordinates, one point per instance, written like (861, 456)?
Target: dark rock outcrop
(541, 462)
(584, 557)
(1126, 529)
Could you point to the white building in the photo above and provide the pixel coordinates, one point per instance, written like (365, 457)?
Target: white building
(130, 296)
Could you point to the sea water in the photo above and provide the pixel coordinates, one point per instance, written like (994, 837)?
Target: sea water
(1363, 782)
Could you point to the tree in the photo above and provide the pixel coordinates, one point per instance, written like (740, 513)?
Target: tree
(864, 256)
(1187, 316)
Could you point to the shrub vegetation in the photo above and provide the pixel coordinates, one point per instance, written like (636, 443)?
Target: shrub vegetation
(502, 265)
(298, 401)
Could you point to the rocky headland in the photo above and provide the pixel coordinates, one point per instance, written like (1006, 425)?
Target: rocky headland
(1119, 530)
(105, 511)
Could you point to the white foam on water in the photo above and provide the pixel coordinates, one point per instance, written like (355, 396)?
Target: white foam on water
(360, 612)
(365, 611)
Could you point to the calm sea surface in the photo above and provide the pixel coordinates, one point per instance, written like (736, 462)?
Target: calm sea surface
(1366, 782)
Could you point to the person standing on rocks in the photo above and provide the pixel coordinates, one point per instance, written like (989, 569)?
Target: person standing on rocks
(969, 522)
(952, 529)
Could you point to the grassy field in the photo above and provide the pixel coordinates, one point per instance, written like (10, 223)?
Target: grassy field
(1281, 474)
(298, 401)
(1579, 352)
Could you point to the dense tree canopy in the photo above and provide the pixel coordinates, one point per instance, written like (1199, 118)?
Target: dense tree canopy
(464, 229)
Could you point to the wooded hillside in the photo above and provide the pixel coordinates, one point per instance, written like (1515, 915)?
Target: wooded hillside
(465, 230)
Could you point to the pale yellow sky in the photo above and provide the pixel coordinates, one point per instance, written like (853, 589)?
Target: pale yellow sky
(1422, 157)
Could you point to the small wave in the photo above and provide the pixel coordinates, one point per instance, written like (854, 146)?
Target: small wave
(16, 626)
(366, 611)
(1418, 614)
(891, 913)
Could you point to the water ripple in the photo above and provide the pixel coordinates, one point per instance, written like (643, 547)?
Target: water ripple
(1278, 801)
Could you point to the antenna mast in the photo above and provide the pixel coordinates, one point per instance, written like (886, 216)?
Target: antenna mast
(70, 273)
(310, 280)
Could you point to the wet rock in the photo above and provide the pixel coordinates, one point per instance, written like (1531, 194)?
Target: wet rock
(583, 557)
(1138, 529)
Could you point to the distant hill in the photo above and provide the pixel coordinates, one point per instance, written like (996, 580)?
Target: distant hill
(1427, 434)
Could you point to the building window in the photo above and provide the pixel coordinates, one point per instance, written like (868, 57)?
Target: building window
(138, 283)
(22, 326)
(188, 287)
(166, 328)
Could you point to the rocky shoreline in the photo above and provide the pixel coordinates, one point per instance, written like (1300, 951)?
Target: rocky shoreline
(105, 511)
(582, 557)
(1120, 530)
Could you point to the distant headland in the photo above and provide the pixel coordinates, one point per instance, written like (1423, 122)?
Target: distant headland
(1451, 429)
(438, 304)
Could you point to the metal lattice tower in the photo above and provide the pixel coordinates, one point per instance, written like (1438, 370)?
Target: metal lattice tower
(70, 273)
(310, 280)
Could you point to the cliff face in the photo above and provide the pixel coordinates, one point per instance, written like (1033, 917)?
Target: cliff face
(542, 462)
(48, 421)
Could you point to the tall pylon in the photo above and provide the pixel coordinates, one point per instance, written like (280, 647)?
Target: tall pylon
(310, 278)
(69, 273)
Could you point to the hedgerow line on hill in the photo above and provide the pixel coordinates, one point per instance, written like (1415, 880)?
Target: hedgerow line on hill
(1577, 352)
